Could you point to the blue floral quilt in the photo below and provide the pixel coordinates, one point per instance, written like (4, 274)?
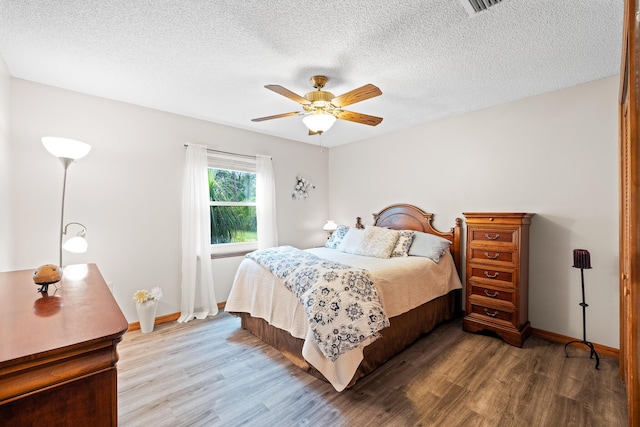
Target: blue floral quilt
(341, 302)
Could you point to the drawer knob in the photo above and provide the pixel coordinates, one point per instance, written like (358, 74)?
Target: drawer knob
(492, 256)
(493, 295)
(494, 314)
(488, 236)
(491, 276)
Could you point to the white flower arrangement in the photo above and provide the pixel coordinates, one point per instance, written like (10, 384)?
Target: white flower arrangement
(302, 188)
(142, 296)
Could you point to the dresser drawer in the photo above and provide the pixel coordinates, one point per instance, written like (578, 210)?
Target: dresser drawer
(494, 235)
(491, 314)
(505, 257)
(488, 274)
(506, 295)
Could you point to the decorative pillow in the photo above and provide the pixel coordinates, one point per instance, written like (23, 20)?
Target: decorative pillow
(403, 244)
(429, 246)
(351, 241)
(378, 242)
(336, 237)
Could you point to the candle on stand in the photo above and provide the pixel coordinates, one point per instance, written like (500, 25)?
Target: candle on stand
(581, 258)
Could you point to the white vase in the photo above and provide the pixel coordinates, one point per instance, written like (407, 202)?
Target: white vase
(147, 315)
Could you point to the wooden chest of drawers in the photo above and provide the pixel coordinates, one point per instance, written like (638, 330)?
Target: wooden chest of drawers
(497, 274)
(58, 352)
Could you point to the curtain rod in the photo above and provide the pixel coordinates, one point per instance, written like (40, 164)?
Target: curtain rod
(211, 150)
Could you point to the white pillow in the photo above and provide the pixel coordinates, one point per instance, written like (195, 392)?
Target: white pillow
(351, 241)
(403, 244)
(429, 246)
(378, 242)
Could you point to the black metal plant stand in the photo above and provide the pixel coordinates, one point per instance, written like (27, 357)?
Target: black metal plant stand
(582, 260)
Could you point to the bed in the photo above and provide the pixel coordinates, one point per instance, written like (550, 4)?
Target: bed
(275, 315)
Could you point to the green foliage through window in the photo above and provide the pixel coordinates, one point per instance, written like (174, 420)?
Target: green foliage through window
(232, 196)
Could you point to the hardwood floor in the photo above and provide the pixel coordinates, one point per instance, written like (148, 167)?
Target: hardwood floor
(213, 373)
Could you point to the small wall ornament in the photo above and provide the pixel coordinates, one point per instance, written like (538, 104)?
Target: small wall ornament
(302, 188)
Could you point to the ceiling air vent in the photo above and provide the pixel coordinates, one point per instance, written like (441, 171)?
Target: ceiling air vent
(476, 6)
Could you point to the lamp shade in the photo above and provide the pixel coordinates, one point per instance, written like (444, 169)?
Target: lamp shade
(330, 226)
(319, 122)
(77, 245)
(65, 148)
(581, 258)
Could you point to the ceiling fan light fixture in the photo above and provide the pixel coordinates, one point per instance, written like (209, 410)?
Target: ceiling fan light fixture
(319, 122)
(321, 108)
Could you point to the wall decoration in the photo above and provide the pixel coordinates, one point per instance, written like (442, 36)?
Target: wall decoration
(302, 188)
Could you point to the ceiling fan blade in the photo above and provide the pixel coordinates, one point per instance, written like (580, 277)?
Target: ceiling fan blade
(277, 116)
(286, 92)
(359, 118)
(365, 92)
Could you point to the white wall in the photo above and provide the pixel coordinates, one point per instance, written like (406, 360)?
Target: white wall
(554, 155)
(127, 190)
(6, 234)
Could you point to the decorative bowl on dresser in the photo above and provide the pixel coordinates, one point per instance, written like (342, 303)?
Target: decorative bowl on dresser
(497, 274)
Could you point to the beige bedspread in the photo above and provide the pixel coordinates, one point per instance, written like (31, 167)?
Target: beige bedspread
(402, 283)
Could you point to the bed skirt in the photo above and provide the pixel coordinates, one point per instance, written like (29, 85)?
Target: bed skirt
(404, 330)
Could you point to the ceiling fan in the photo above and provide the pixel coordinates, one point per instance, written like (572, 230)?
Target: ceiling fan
(321, 108)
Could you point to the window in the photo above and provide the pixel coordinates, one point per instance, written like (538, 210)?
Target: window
(232, 203)
(232, 197)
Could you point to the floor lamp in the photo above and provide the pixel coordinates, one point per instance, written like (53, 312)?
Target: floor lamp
(68, 151)
(582, 260)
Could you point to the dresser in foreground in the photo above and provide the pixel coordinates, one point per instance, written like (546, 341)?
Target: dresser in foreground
(58, 350)
(497, 273)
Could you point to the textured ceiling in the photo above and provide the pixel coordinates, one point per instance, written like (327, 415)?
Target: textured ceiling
(210, 59)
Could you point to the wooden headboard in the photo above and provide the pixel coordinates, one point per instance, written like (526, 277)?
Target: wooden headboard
(409, 217)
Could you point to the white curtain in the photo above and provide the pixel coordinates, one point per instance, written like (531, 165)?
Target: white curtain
(196, 238)
(266, 203)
